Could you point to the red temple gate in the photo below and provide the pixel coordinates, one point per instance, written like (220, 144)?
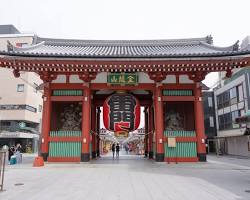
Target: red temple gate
(164, 75)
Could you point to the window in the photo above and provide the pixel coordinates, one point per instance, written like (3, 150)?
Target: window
(233, 95)
(20, 88)
(18, 107)
(40, 108)
(235, 114)
(223, 100)
(240, 93)
(210, 102)
(226, 99)
(225, 121)
(21, 44)
(221, 122)
(220, 101)
(30, 108)
(211, 121)
(35, 87)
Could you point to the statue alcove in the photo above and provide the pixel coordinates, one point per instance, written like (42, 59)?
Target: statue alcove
(66, 116)
(179, 116)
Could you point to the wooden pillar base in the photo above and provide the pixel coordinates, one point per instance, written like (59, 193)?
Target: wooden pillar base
(45, 156)
(159, 157)
(85, 157)
(202, 157)
(93, 154)
(150, 154)
(97, 153)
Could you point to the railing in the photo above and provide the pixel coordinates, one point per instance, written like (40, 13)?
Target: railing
(2, 168)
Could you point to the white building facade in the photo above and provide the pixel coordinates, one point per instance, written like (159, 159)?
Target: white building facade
(232, 100)
(20, 101)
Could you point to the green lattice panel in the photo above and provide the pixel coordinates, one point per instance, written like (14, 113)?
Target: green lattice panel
(183, 149)
(180, 133)
(177, 92)
(65, 133)
(64, 149)
(67, 93)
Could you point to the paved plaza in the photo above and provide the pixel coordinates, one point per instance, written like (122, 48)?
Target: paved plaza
(130, 177)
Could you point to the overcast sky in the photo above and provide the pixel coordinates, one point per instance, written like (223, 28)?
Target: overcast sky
(226, 20)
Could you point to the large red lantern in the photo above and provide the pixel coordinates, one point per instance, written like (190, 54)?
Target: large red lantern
(121, 112)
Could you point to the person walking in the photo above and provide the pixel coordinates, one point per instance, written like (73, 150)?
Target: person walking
(117, 149)
(11, 152)
(113, 150)
(126, 148)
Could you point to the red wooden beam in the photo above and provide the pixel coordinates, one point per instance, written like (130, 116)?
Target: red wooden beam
(178, 98)
(174, 86)
(182, 139)
(71, 86)
(64, 159)
(65, 139)
(181, 159)
(66, 98)
(143, 86)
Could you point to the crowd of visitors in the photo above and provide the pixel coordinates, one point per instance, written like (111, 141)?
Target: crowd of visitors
(15, 154)
(134, 148)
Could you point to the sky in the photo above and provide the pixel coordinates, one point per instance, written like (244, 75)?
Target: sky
(226, 20)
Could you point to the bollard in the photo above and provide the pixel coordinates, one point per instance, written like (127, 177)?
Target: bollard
(38, 162)
(2, 168)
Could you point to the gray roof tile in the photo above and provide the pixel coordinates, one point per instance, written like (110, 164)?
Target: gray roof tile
(124, 48)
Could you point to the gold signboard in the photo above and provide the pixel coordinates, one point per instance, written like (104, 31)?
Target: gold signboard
(121, 134)
(171, 142)
(122, 78)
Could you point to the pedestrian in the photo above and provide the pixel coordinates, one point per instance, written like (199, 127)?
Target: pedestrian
(19, 153)
(19, 148)
(117, 149)
(11, 152)
(113, 150)
(126, 148)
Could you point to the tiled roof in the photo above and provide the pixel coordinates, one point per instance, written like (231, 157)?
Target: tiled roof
(193, 47)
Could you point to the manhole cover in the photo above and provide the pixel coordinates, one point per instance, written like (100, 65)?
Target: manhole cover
(18, 184)
(247, 191)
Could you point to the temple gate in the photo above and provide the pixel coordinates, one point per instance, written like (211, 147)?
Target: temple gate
(164, 75)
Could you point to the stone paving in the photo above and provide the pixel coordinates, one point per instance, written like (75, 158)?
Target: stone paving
(129, 177)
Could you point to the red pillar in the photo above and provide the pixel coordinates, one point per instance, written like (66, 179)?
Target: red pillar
(146, 131)
(159, 128)
(199, 124)
(150, 135)
(46, 122)
(93, 128)
(86, 109)
(98, 131)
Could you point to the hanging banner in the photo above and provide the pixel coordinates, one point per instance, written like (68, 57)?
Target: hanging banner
(121, 112)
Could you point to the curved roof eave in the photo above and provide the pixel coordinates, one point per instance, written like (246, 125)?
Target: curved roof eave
(174, 56)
